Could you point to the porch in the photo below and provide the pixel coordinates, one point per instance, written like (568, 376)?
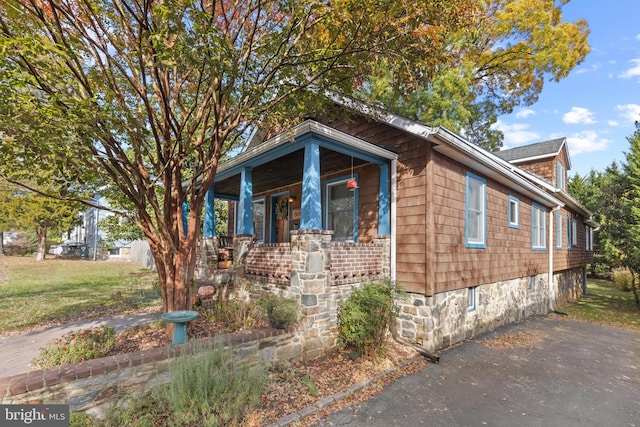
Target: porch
(293, 197)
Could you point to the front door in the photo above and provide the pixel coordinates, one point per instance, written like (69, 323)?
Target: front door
(281, 215)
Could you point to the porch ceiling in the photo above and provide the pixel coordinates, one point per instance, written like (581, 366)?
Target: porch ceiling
(285, 170)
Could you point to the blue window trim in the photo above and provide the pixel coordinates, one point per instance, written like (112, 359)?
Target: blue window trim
(534, 210)
(325, 209)
(568, 233)
(514, 201)
(469, 244)
(471, 295)
(558, 230)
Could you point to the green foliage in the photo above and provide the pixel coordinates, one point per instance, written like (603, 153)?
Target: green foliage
(82, 419)
(207, 388)
(364, 317)
(235, 314)
(281, 312)
(623, 279)
(77, 346)
(604, 303)
(500, 59)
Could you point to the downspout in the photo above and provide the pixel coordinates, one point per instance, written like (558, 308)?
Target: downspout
(392, 243)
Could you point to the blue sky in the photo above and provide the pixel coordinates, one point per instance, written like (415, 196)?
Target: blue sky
(595, 107)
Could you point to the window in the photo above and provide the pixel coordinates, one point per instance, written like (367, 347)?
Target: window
(258, 219)
(514, 214)
(538, 227)
(471, 299)
(114, 252)
(558, 230)
(569, 238)
(588, 232)
(476, 211)
(532, 283)
(561, 180)
(341, 211)
(574, 233)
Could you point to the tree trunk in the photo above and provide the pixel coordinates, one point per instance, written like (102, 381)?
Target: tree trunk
(42, 243)
(1, 243)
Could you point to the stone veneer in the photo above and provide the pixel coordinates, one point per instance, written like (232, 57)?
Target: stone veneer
(314, 287)
(444, 319)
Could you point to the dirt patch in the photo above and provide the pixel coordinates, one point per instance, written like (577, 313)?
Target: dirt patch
(514, 340)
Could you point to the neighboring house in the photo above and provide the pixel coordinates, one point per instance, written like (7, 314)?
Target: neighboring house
(89, 233)
(476, 239)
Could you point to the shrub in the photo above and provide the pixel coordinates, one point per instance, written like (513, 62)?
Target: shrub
(236, 315)
(364, 317)
(207, 388)
(281, 312)
(623, 279)
(77, 346)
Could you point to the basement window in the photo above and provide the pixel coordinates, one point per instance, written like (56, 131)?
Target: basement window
(471, 299)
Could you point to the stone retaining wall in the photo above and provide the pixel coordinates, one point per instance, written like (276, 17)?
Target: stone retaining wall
(93, 386)
(450, 317)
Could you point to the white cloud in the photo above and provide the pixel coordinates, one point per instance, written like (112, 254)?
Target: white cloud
(587, 141)
(613, 123)
(638, 37)
(629, 112)
(524, 113)
(633, 71)
(578, 115)
(515, 134)
(583, 70)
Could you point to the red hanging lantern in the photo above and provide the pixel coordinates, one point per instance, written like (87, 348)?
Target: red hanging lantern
(352, 184)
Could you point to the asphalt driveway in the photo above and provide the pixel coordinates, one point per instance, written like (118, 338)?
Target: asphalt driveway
(544, 371)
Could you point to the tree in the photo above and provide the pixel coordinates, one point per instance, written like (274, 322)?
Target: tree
(154, 92)
(501, 62)
(23, 210)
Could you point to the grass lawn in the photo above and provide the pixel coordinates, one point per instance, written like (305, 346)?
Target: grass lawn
(604, 303)
(34, 292)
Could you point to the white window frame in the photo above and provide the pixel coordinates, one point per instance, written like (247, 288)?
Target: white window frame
(558, 230)
(514, 212)
(588, 232)
(561, 176)
(538, 227)
(477, 211)
(471, 299)
(327, 186)
(263, 201)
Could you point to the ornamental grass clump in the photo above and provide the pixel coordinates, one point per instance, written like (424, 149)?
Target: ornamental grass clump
(77, 346)
(364, 317)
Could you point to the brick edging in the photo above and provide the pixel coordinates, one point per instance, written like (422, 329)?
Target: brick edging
(42, 378)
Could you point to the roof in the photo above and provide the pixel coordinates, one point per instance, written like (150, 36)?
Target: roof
(537, 151)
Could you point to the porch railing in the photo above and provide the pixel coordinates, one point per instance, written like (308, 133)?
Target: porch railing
(353, 263)
(270, 262)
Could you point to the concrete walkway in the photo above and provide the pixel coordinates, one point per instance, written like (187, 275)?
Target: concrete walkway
(562, 373)
(17, 352)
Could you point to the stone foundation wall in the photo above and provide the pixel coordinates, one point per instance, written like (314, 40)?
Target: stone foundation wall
(448, 318)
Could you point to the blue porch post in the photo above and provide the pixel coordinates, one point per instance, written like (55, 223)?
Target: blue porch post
(311, 207)
(209, 215)
(384, 211)
(185, 217)
(245, 204)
